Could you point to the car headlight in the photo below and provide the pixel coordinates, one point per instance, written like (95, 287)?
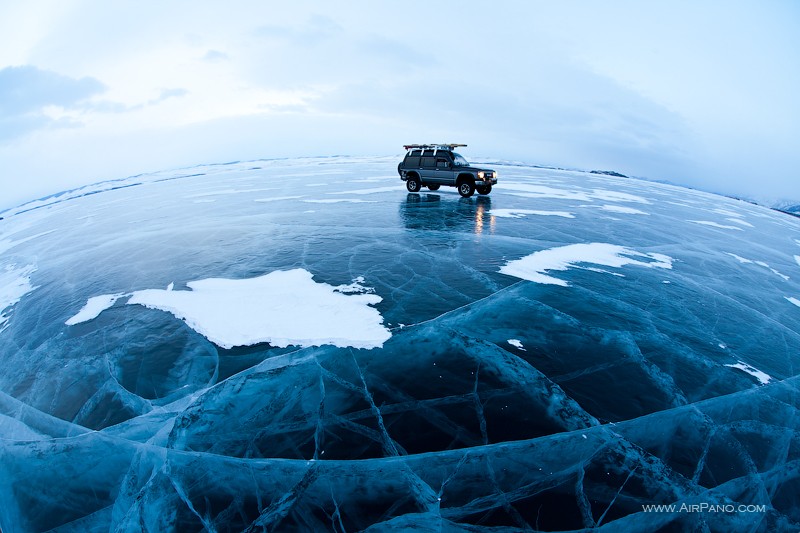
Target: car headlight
(480, 174)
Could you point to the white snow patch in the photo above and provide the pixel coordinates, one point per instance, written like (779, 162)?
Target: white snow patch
(376, 179)
(784, 276)
(276, 198)
(519, 213)
(170, 286)
(715, 224)
(356, 287)
(666, 282)
(727, 213)
(795, 301)
(94, 306)
(213, 193)
(797, 258)
(230, 191)
(617, 196)
(745, 261)
(532, 267)
(516, 343)
(341, 200)
(282, 308)
(373, 191)
(622, 209)
(14, 284)
(7, 244)
(740, 258)
(740, 222)
(762, 377)
(542, 191)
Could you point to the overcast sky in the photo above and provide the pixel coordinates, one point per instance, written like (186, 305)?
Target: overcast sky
(698, 93)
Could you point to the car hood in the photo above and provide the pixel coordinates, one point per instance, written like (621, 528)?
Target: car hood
(473, 168)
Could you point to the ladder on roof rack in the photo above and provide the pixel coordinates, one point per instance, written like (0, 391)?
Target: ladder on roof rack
(441, 146)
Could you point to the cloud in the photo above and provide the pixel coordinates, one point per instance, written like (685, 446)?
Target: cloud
(563, 116)
(168, 93)
(316, 30)
(27, 91)
(33, 99)
(215, 56)
(15, 126)
(396, 53)
(109, 106)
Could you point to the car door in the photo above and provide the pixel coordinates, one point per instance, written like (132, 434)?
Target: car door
(444, 170)
(427, 167)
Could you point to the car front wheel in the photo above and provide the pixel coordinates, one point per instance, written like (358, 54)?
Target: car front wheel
(413, 185)
(484, 189)
(466, 188)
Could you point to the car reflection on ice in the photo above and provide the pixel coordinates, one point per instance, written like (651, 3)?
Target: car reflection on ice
(436, 212)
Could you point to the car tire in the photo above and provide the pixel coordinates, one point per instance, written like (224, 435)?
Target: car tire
(483, 189)
(433, 187)
(413, 185)
(466, 189)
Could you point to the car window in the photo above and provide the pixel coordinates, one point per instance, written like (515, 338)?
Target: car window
(459, 161)
(428, 162)
(412, 161)
(442, 162)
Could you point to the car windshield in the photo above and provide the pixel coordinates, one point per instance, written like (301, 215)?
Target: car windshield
(459, 161)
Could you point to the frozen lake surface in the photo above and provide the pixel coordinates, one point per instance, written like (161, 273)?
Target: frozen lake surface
(303, 345)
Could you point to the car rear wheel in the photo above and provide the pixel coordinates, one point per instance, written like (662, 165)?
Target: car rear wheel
(433, 187)
(466, 188)
(484, 189)
(413, 185)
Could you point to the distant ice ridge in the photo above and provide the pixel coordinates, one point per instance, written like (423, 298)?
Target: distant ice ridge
(534, 266)
(282, 308)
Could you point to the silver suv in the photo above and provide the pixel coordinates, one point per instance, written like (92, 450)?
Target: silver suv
(434, 165)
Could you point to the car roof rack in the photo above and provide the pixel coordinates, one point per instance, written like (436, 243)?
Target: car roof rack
(439, 146)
